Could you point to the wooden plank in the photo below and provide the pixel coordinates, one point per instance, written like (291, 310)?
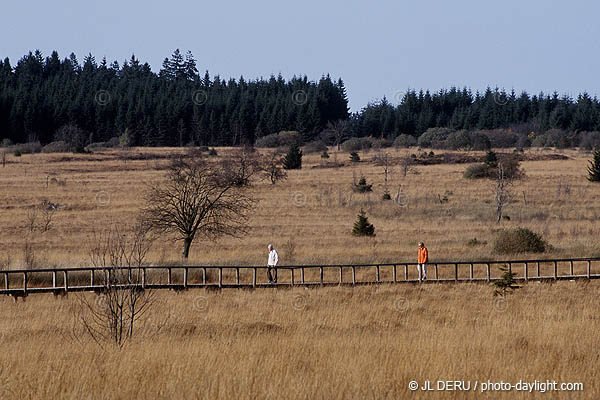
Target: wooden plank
(589, 269)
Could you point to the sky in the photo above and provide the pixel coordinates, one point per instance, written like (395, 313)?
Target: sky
(379, 48)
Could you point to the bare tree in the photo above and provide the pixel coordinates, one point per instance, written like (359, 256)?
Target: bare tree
(338, 130)
(200, 198)
(124, 299)
(273, 167)
(32, 215)
(406, 164)
(502, 192)
(47, 215)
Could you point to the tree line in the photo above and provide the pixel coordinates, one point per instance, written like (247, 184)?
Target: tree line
(177, 106)
(48, 99)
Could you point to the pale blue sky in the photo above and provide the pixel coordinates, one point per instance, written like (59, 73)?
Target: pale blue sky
(379, 48)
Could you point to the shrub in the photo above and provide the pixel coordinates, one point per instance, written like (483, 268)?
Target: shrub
(511, 166)
(26, 148)
(519, 240)
(356, 144)
(458, 140)
(212, 152)
(491, 159)
(354, 157)
(362, 186)
(362, 227)
(594, 167)
(479, 141)
(405, 141)
(6, 143)
(589, 140)
(281, 139)
(315, 147)
(74, 136)
(324, 154)
(501, 138)
(382, 144)
(479, 171)
(434, 137)
(386, 195)
(56, 147)
(293, 158)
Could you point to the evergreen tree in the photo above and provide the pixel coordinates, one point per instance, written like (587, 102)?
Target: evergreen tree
(293, 158)
(362, 227)
(594, 167)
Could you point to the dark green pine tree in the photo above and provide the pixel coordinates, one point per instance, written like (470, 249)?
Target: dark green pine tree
(594, 167)
(293, 158)
(362, 227)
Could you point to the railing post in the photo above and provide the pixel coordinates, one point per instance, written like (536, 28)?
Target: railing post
(510, 267)
(302, 275)
(25, 282)
(237, 275)
(341, 270)
(455, 272)
(185, 277)
(321, 275)
(204, 276)
(220, 277)
(555, 270)
(538, 269)
(435, 268)
(406, 272)
(6, 280)
(525, 271)
(66, 279)
(488, 271)
(589, 269)
(471, 271)
(292, 276)
(254, 277)
(353, 275)
(571, 268)
(144, 278)
(394, 273)
(91, 277)
(170, 276)
(54, 279)
(378, 274)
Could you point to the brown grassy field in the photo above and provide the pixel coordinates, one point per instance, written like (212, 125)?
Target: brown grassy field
(366, 342)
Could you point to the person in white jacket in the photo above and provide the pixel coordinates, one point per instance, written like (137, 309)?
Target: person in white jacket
(272, 264)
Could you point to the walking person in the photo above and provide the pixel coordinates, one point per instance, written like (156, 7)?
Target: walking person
(423, 259)
(272, 264)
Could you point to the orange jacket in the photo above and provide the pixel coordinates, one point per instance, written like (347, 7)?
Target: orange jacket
(423, 255)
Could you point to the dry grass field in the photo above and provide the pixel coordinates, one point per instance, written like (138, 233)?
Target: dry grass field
(365, 342)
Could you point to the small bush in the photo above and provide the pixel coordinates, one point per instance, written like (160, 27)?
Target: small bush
(212, 152)
(362, 227)
(356, 144)
(281, 139)
(325, 154)
(519, 240)
(363, 186)
(434, 137)
(293, 158)
(315, 147)
(405, 141)
(479, 171)
(386, 196)
(56, 147)
(354, 157)
(6, 143)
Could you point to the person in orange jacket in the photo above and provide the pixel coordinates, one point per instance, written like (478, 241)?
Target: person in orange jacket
(423, 259)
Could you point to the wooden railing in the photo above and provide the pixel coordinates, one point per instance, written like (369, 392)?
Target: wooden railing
(60, 281)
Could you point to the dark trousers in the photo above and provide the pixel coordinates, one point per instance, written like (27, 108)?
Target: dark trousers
(269, 276)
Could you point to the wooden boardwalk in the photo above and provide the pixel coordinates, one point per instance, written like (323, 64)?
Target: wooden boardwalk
(60, 281)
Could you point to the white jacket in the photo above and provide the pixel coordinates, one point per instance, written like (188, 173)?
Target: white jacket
(273, 258)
